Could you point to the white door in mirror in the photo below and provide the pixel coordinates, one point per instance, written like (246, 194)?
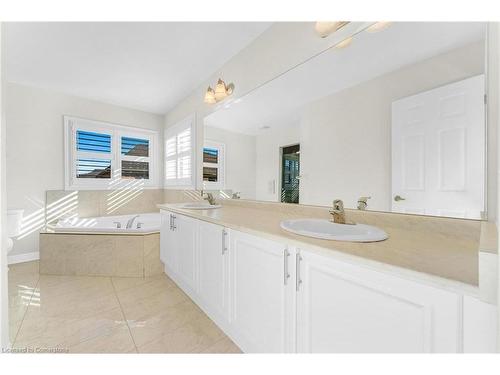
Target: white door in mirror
(324, 229)
(438, 151)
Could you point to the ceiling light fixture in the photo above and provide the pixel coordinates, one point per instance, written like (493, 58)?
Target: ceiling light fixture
(378, 26)
(324, 29)
(221, 92)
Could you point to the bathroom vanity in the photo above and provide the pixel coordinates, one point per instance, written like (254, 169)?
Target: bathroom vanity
(393, 126)
(272, 291)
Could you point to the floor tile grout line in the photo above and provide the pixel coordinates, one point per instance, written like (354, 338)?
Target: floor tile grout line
(26, 311)
(123, 313)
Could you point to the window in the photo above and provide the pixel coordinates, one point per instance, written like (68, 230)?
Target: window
(102, 155)
(213, 165)
(179, 156)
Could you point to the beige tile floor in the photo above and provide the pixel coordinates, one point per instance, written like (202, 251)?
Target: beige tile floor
(83, 314)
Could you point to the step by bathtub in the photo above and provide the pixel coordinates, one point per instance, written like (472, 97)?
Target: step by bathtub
(102, 247)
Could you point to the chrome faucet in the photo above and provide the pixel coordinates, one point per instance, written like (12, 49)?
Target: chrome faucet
(208, 197)
(130, 221)
(363, 203)
(338, 213)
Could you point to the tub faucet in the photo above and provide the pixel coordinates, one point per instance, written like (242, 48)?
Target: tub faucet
(130, 222)
(338, 213)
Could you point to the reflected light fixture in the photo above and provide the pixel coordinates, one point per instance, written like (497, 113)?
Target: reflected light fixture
(324, 29)
(221, 92)
(378, 26)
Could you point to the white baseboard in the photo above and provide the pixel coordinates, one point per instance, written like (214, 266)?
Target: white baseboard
(20, 258)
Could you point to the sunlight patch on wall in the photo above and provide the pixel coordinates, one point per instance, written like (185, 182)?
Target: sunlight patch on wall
(127, 193)
(64, 207)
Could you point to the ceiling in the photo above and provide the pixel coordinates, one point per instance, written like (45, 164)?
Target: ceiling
(146, 66)
(371, 55)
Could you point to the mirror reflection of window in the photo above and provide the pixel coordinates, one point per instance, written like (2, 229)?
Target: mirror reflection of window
(213, 165)
(210, 155)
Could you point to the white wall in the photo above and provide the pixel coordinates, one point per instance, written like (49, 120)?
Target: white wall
(346, 137)
(35, 156)
(493, 119)
(240, 159)
(269, 142)
(4, 299)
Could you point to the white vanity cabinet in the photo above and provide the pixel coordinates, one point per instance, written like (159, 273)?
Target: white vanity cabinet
(178, 248)
(262, 294)
(270, 297)
(347, 308)
(213, 270)
(167, 239)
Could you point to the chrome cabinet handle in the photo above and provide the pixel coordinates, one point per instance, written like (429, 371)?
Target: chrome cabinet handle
(174, 227)
(224, 247)
(298, 280)
(170, 221)
(286, 274)
(398, 198)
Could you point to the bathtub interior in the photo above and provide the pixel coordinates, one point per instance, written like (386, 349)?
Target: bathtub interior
(144, 222)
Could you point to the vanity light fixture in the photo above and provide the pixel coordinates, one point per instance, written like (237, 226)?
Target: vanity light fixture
(378, 26)
(324, 29)
(220, 93)
(210, 96)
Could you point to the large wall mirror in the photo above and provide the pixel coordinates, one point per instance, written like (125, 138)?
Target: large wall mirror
(396, 116)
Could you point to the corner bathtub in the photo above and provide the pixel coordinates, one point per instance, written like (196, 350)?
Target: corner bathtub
(143, 223)
(95, 246)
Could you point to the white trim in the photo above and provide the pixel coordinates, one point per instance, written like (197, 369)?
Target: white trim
(24, 257)
(116, 132)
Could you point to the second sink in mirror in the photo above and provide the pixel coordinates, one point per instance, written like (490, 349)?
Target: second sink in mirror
(198, 206)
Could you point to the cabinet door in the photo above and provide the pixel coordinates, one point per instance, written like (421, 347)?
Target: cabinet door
(167, 240)
(480, 326)
(347, 308)
(185, 229)
(261, 296)
(213, 269)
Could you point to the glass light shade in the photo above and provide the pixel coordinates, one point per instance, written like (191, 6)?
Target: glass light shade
(345, 43)
(220, 90)
(379, 26)
(210, 96)
(323, 29)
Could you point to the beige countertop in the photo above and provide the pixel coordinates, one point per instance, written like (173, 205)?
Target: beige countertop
(441, 250)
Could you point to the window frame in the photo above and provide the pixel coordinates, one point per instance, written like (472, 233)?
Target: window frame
(71, 182)
(220, 165)
(171, 132)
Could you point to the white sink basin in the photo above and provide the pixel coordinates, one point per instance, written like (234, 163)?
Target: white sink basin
(198, 206)
(324, 229)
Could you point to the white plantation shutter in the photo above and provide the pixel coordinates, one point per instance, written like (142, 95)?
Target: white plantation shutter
(179, 154)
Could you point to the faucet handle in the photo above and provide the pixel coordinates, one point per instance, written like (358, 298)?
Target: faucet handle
(338, 205)
(363, 203)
